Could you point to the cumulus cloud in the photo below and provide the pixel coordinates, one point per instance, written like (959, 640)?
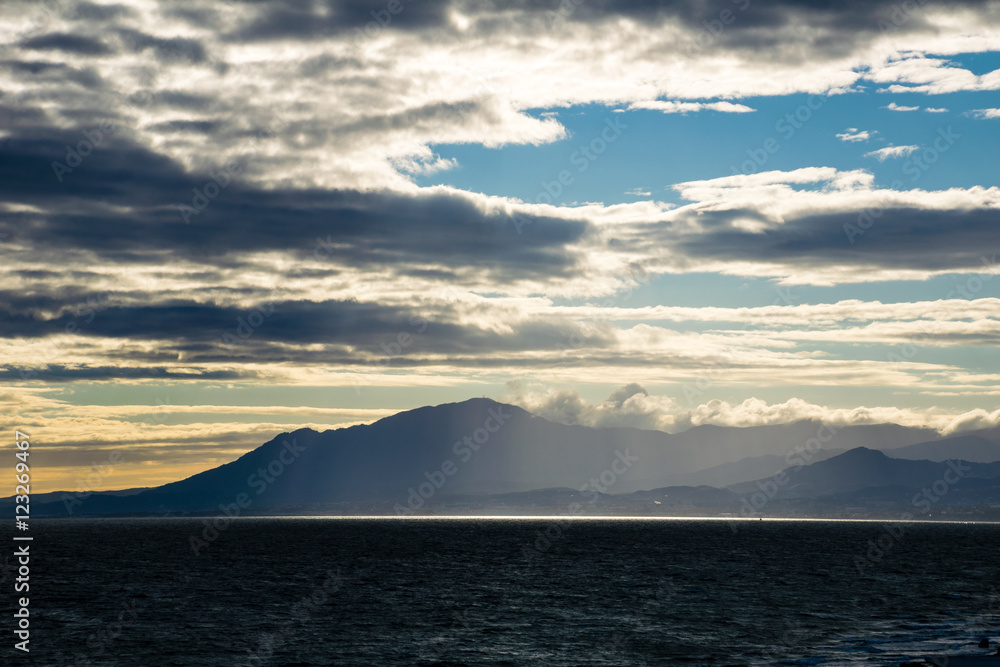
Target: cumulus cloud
(641, 410)
(896, 107)
(973, 420)
(630, 405)
(985, 113)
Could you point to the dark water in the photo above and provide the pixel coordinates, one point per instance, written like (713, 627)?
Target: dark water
(477, 592)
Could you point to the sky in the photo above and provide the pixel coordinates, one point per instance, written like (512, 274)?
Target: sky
(220, 221)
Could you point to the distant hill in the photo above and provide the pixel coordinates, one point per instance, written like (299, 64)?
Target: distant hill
(696, 496)
(862, 468)
(965, 447)
(746, 470)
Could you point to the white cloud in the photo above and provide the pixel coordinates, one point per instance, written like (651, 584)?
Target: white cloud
(360, 111)
(815, 316)
(884, 154)
(923, 73)
(985, 113)
(935, 110)
(642, 410)
(638, 192)
(853, 134)
(685, 107)
(895, 107)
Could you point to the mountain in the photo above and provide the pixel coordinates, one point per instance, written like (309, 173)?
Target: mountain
(745, 470)
(965, 447)
(479, 448)
(706, 446)
(865, 469)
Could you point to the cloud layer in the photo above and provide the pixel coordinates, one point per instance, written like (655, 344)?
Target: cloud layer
(218, 194)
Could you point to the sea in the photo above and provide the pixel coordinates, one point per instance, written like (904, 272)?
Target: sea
(497, 591)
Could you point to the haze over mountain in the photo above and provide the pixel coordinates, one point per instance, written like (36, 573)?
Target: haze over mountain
(863, 468)
(975, 447)
(480, 448)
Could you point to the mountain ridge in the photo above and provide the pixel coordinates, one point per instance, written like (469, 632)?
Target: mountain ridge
(481, 447)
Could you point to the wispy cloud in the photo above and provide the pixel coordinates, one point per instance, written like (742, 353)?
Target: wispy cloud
(686, 107)
(985, 113)
(853, 134)
(892, 106)
(888, 152)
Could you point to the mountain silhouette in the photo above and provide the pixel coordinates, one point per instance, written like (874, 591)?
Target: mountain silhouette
(863, 468)
(479, 448)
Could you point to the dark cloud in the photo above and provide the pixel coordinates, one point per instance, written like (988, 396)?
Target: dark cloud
(782, 30)
(350, 333)
(346, 323)
(327, 63)
(345, 227)
(199, 126)
(172, 50)
(179, 99)
(841, 14)
(898, 238)
(56, 73)
(61, 373)
(309, 19)
(75, 44)
(747, 24)
(88, 11)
